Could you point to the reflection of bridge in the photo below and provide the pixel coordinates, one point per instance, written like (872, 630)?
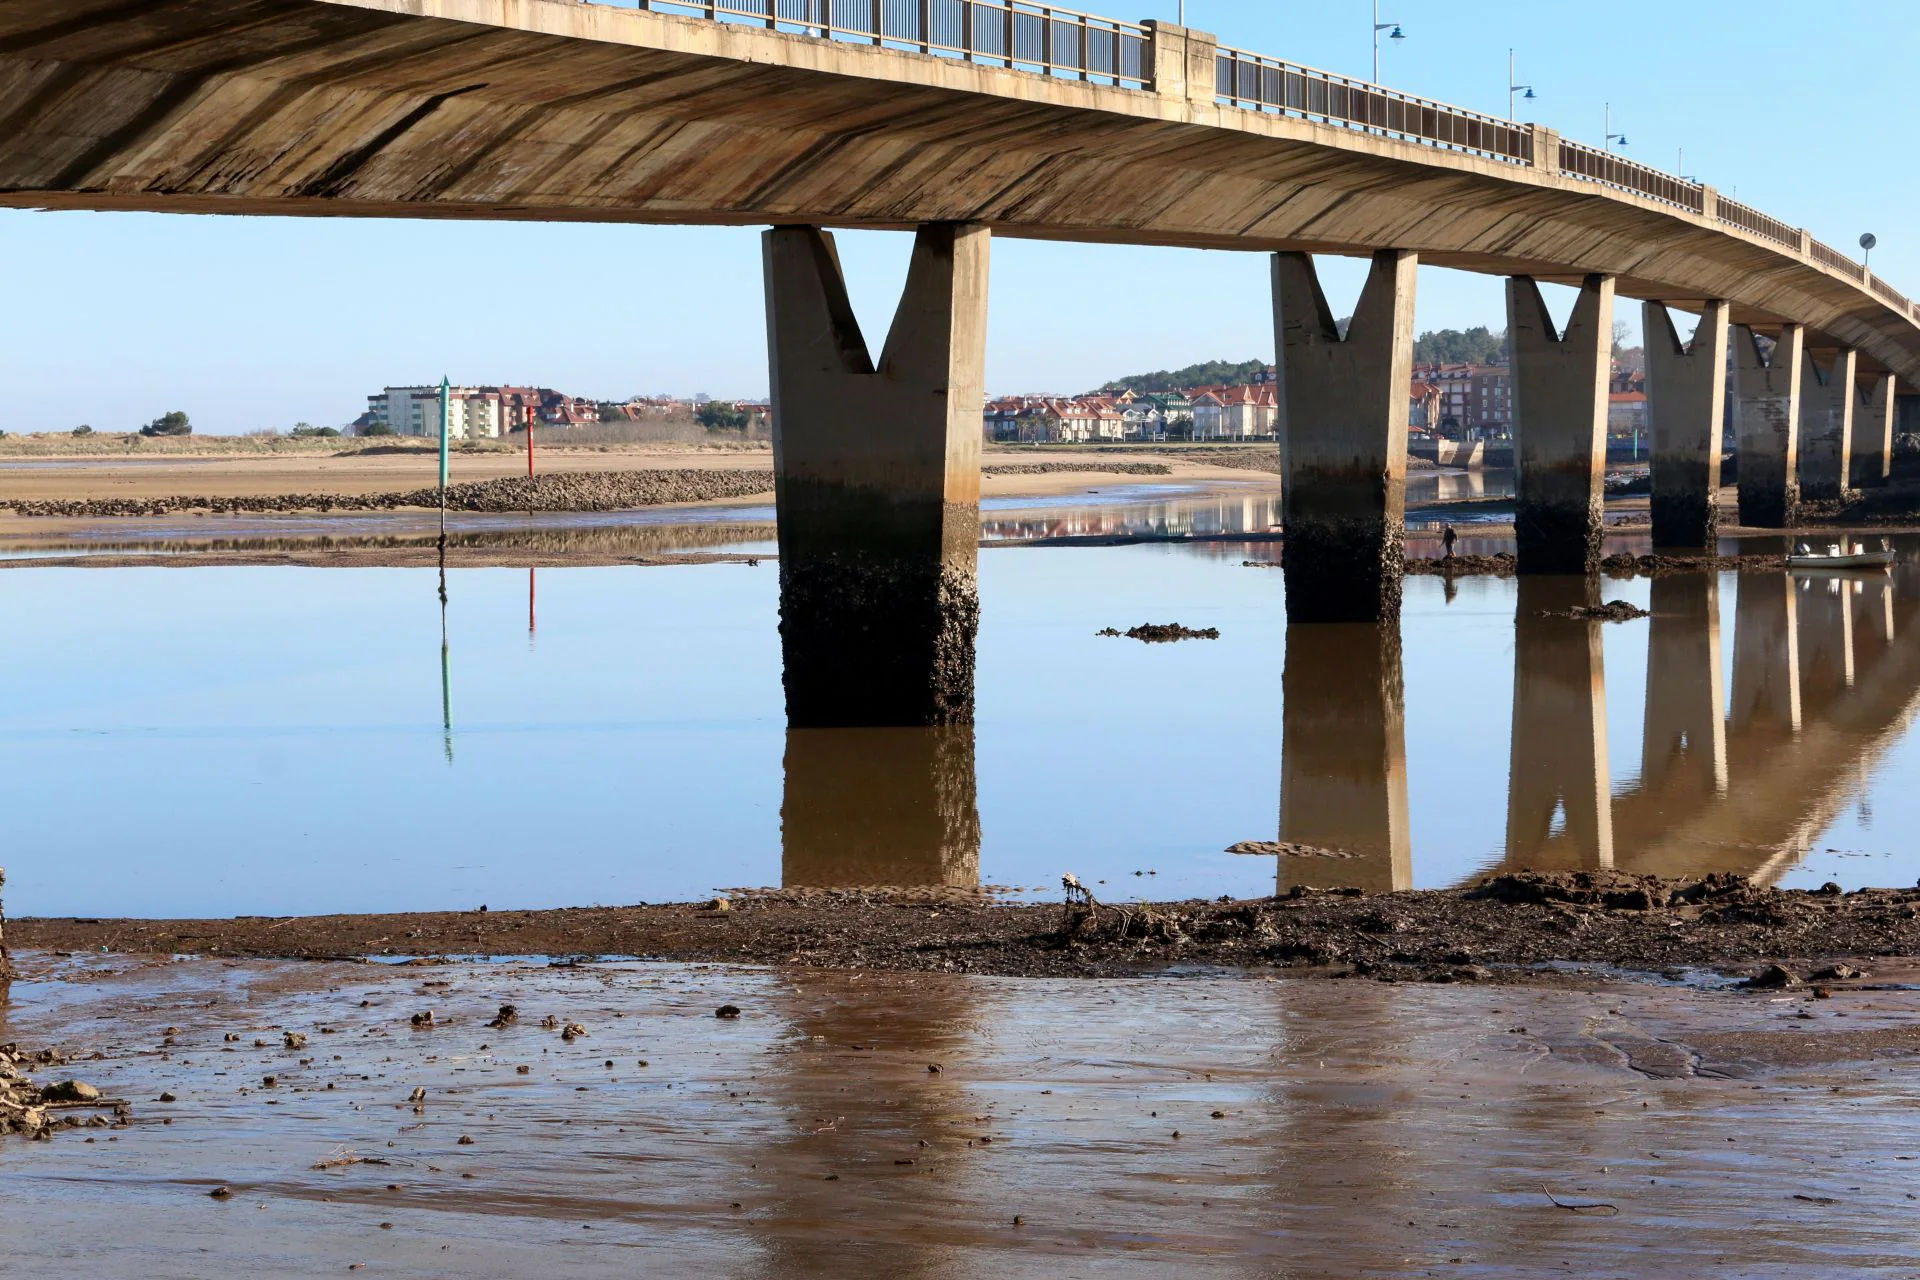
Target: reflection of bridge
(1826, 675)
(965, 118)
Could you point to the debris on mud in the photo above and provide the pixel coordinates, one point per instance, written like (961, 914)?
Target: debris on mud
(1505, 923)
(1623, 565)
(1286, 849)
(1162, 633)
(1611, 611)
(1500, 565)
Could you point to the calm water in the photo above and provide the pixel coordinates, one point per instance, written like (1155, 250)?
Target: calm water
(226, 740)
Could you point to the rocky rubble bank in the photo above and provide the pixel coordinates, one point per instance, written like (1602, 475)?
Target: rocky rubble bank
(557, 491)
(1515, 923)
(38, 1110)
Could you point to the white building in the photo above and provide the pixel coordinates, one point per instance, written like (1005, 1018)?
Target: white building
(415, 411)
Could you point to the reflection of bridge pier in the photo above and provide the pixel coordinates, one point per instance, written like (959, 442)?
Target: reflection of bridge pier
(880, 807)
(1825, 608)
(1825, 681)
(1559, 805)
(1766, 655)
(1685, 731)
(877, 481)
(1343, 756)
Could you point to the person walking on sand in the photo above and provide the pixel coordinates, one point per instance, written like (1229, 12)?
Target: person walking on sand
(1447, 538)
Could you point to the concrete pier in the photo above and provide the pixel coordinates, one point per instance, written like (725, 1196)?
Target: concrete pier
(1687, 410)
(1873, 415)
(1766, 397)
(1343, 439)
(1560, 425)
(1559, 800)
(1827, 399)
(877, 482)
(1766, 655)
(1684, 735)
(1343, 757)
(887, 807)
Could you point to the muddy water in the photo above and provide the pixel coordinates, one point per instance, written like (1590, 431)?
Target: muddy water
(227, 740)
(1071, 1128)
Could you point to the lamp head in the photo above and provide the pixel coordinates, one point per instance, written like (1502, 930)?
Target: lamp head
(1530, 93)
(1396, 34)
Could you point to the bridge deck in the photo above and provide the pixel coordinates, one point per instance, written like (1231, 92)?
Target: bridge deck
(549, 110)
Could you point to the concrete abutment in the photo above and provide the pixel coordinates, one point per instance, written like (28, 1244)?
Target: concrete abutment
(877, 482)
(1343, 439)
(1560, 425)
(1686, 407)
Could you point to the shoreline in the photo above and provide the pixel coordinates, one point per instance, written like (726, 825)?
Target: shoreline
(1511, 927)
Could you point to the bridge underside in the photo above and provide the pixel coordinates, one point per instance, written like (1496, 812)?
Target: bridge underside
(542, 110)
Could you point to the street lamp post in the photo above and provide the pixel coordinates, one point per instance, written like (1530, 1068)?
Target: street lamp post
(1378, 27)
(1613, 137)
(1513, 88)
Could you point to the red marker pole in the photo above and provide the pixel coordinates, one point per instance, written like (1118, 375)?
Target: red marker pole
(529, 446)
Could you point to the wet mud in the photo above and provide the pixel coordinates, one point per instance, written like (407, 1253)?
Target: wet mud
(1516, 924)
(941, 1125)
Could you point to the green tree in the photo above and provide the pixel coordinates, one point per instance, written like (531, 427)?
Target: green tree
(715, 415)
(1478, 345)
(376, 429)
(302, 429)
(1210, 373)
(168, 424)
(83, 430)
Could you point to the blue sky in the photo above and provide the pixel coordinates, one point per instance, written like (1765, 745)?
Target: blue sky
(258, 322)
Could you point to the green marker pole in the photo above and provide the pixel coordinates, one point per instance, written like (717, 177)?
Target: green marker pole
(446, 433)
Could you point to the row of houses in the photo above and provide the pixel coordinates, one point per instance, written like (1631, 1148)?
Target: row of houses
(488, 413)
(1205, 413)
(1475, 401)
(479, 413)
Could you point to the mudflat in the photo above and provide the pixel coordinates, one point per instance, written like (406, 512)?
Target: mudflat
(583, 1119)
(356, 470)
(1511, 927)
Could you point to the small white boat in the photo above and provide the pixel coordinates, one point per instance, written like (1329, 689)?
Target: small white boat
(1841, 556)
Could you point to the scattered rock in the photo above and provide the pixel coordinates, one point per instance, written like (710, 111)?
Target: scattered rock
(507, 1016)
(423, 1018)
(1162, 633)
(572, 1031)
(1773, 978)
(294, 1040)
(727, 1011)
(1611, 611)
(221, 1193)
(70, 1091)
(1837, 973)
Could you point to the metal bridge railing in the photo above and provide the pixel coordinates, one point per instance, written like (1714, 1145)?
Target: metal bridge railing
(1735, 214)
(1887, 293)
(1837, 261)
(1610, 170)
(1261, 83)
(1007, 33)
(1048, 40)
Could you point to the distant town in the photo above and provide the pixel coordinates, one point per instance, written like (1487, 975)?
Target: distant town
(1461, 401)
(488, 413)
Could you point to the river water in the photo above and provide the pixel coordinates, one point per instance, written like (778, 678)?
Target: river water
(210, 740)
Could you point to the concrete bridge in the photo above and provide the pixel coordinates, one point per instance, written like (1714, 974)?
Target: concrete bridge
(961, 119)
